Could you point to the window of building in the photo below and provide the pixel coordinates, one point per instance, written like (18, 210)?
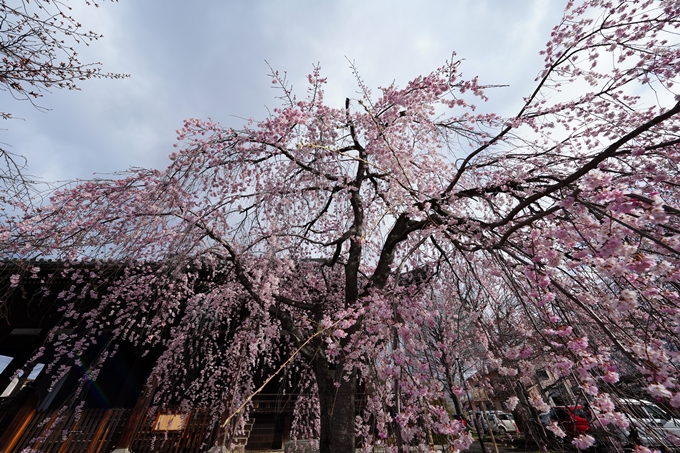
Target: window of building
(19, 380)
(170, 422)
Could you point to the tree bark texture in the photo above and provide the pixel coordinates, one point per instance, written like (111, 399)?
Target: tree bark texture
(337, 411)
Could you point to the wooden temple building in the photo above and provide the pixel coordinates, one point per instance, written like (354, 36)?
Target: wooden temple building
(116, 415)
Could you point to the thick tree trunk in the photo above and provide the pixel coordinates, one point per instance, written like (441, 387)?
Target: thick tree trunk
(336, 411)
(343, 417)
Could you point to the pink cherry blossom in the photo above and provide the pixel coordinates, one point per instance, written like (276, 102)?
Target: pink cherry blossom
(406, 242)
(583, 441)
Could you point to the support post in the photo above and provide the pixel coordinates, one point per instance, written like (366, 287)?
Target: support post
(472, 411)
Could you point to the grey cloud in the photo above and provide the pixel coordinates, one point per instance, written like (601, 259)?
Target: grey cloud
(207, 60)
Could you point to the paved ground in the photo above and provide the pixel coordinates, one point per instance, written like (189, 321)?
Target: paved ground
(517, 448)
(476, 448)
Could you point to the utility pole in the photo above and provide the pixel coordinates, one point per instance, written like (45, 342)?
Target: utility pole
(474, 419)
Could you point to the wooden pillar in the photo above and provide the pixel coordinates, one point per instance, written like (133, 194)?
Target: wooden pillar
(220, 433)
(101, 430)
(135, 420)
(19, 423)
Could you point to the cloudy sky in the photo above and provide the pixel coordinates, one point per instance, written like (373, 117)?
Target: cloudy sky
(208, 59)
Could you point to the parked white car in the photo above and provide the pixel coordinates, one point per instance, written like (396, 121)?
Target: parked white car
(501, 422)
(505, 423)
(650, 425)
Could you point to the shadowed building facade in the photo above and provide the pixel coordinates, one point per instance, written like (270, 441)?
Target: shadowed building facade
(113, 412)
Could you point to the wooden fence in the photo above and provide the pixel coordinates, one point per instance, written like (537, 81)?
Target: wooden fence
(97, 430)
(61, 431)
